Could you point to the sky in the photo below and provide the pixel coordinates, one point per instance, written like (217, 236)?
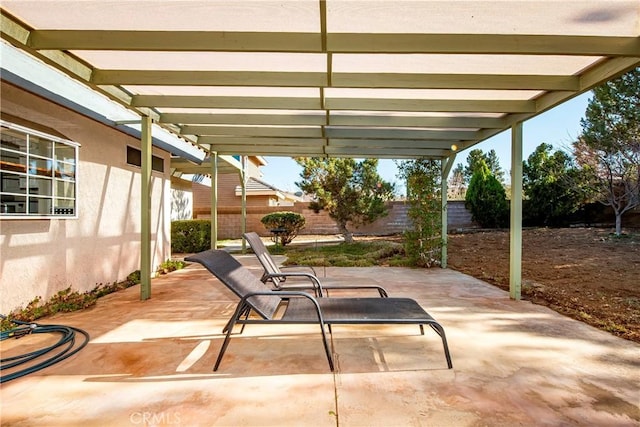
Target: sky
(559, 127)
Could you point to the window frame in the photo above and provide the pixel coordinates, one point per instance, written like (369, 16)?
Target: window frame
(50, 160)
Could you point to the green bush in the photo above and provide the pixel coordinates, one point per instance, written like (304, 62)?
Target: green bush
(190, 236)
(289, 223)
(170, 265)
(487, 200)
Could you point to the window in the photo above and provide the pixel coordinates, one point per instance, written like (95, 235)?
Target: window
(134, 157)
(37, 174)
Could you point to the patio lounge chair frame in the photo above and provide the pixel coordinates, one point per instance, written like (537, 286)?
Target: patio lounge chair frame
(274, 274)
(295, 307)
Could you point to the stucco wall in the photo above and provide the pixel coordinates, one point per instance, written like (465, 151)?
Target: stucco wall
(41, 257)
(227, 197)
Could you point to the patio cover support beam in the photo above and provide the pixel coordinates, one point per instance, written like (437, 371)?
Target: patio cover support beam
(145, 205)
(446, 165)
(244, 41)
(213, 156)
(515, 246)
(243, 185)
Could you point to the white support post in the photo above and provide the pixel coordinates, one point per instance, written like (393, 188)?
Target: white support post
(213, 158)
(446, 165)
(145, 206)
(515, 246)
(243, 180)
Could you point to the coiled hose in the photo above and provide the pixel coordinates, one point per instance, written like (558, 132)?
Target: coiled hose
(63, 349)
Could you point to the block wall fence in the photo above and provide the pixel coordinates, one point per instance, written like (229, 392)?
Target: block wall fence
(230, 225)
(459, 218)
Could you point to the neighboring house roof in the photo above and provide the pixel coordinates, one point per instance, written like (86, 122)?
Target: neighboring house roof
(257, 187)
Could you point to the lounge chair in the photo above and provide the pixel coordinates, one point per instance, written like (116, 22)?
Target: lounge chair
(274, 274)
(302, 308)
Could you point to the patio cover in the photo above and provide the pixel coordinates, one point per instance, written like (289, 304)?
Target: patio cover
(340, 78)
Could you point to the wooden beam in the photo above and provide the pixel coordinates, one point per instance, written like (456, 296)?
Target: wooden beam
(264, 131)
(134, 40)
(300, 118)
(260, 102)
(213, 156)
(399, 120)
(385, 133)
(209, 78)
(244, 178)
(454, 81)
(516, 44)
(394, 120)
(349, 80)
(269, 150)
(238, 41)
(446, 166)
(220, 141)
(440, 105)
(389, 152)
(393, 144)
(145, 207)
(515, 230)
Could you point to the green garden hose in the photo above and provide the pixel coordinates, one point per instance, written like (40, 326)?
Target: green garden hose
(39, 359)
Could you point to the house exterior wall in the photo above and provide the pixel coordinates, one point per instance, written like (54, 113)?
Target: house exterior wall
(40, 257)
(181, 199)
(227, 184)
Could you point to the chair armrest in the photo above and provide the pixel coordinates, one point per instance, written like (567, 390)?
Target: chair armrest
(382, 291)
(317, 286)
(298, 294)
(313, 270)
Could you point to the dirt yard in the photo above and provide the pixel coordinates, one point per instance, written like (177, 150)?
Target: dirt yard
(584, 273)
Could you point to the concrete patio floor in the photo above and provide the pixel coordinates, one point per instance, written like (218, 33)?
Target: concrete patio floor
(150, 363)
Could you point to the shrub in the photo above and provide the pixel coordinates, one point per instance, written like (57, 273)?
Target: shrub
(487, 200)
(190, 236)
(288, 224)
(170, 265)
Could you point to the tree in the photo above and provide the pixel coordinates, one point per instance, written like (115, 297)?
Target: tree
(486, 199)
(553, 187)
(423, 242)
(608, 148)
(350, 191)
(491, 161)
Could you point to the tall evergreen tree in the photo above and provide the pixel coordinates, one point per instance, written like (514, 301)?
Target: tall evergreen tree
(486, 199)
(490, 160)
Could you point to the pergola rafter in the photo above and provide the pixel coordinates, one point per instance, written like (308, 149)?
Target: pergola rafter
(375, 72)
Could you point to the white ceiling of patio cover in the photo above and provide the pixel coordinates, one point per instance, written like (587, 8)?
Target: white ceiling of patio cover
(394, 79)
